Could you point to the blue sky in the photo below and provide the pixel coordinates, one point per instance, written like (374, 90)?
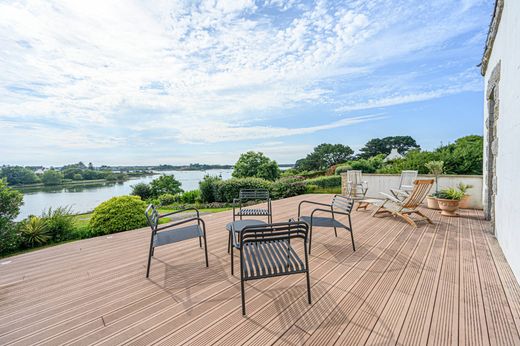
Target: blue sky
(149, 82)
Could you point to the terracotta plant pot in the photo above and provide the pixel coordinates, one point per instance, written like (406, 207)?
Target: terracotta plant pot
(432, 202)
(448, 207)
(464, 202)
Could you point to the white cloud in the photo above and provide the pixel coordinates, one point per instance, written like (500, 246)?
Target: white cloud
(209, 69)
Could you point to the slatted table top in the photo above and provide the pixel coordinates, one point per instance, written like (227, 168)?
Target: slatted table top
(446, 283)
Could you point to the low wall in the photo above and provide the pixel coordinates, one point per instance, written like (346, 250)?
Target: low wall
(384, 182)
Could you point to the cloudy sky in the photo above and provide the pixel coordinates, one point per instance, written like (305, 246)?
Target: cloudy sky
(148, 82)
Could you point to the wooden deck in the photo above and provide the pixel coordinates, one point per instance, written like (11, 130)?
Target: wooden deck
(439, 284)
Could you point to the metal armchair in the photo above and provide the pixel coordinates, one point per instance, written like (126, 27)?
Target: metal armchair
(266, 251)
(171, 233)
(340, 205)
(246, 195)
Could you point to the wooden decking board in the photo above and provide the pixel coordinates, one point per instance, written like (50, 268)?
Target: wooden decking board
(271, 321)
(440, 284)
(358, 296)
(361, 324)
(416, 325)
(393, 314)
(472, 320)
(501, 325)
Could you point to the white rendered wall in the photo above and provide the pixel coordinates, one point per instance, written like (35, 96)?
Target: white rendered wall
(506, 49)
(384, 182)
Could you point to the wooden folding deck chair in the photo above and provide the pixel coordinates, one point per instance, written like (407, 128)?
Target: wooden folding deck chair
(405, 208)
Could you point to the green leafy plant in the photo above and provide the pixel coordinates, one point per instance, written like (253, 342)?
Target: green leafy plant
(190, 197)
(60, 223)
(10, 202)
(464, 187)
(118, 214)
(168, 199)
(451, 193)
(35, 232)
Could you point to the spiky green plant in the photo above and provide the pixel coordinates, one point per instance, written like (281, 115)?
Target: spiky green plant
(35, 232)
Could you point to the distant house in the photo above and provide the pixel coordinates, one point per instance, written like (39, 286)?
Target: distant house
(501, 71)
(394, 155)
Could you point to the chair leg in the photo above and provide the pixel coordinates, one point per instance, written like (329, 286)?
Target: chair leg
(309, 287)
(310, 238)
(376, 210)
(242, 289)
(352, 237)
(200, 242)
(425, 217)
(232, 264)
(407, 219)
(229, 243)
(206, 250)
(150, 254)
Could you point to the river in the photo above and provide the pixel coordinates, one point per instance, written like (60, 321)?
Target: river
(84, 198)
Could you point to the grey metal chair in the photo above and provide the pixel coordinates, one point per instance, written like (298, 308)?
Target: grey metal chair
(340, 205)
(267, 251)
(172, 233)
(246, 195)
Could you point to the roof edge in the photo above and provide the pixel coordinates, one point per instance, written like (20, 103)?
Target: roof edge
(492, 33)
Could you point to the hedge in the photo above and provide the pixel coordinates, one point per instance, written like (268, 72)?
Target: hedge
(118, 214)
(227, 190)
(325, 182)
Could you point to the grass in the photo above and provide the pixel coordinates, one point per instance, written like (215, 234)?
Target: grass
(326, 190)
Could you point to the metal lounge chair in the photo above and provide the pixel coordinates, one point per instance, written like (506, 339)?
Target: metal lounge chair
(405, 185)
(405, 208)
(340, 205)
(267, 251)
(171, 233)
(246, 195)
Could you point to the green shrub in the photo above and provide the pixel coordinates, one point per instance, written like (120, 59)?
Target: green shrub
(227, 190)
(118, 214)
(256, 165)
(142, 190)
(35, 232)
(10, 238)
(209, 188)
(60, 223)
(288, 187)
(77, 176)
(10, 203)
(325, 182)
(168, 199)
(190, 197)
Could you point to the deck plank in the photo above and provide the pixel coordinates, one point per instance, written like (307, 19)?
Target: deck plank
(447, 283)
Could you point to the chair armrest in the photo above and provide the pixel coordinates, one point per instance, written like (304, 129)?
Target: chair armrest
(392, 198)
(311, 202)
(198, 219)
(180, 211)
(331, 211)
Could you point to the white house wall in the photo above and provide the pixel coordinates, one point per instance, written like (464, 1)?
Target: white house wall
(506, 50)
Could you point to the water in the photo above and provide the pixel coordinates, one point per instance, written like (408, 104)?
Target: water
(84, 198)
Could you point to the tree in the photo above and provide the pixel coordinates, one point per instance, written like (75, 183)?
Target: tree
(256, 164)
(18, 175)
(52, 177)
(142, 190)
(465, 156)
(376, 146)
(90, 166)
(165, 184)
(10, 202)
(323, 156)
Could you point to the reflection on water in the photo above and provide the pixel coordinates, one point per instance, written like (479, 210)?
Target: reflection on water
(84, 198)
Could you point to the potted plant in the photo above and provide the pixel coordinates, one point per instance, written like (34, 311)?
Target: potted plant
(449, 200)
(464, 202)
(436, 168)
